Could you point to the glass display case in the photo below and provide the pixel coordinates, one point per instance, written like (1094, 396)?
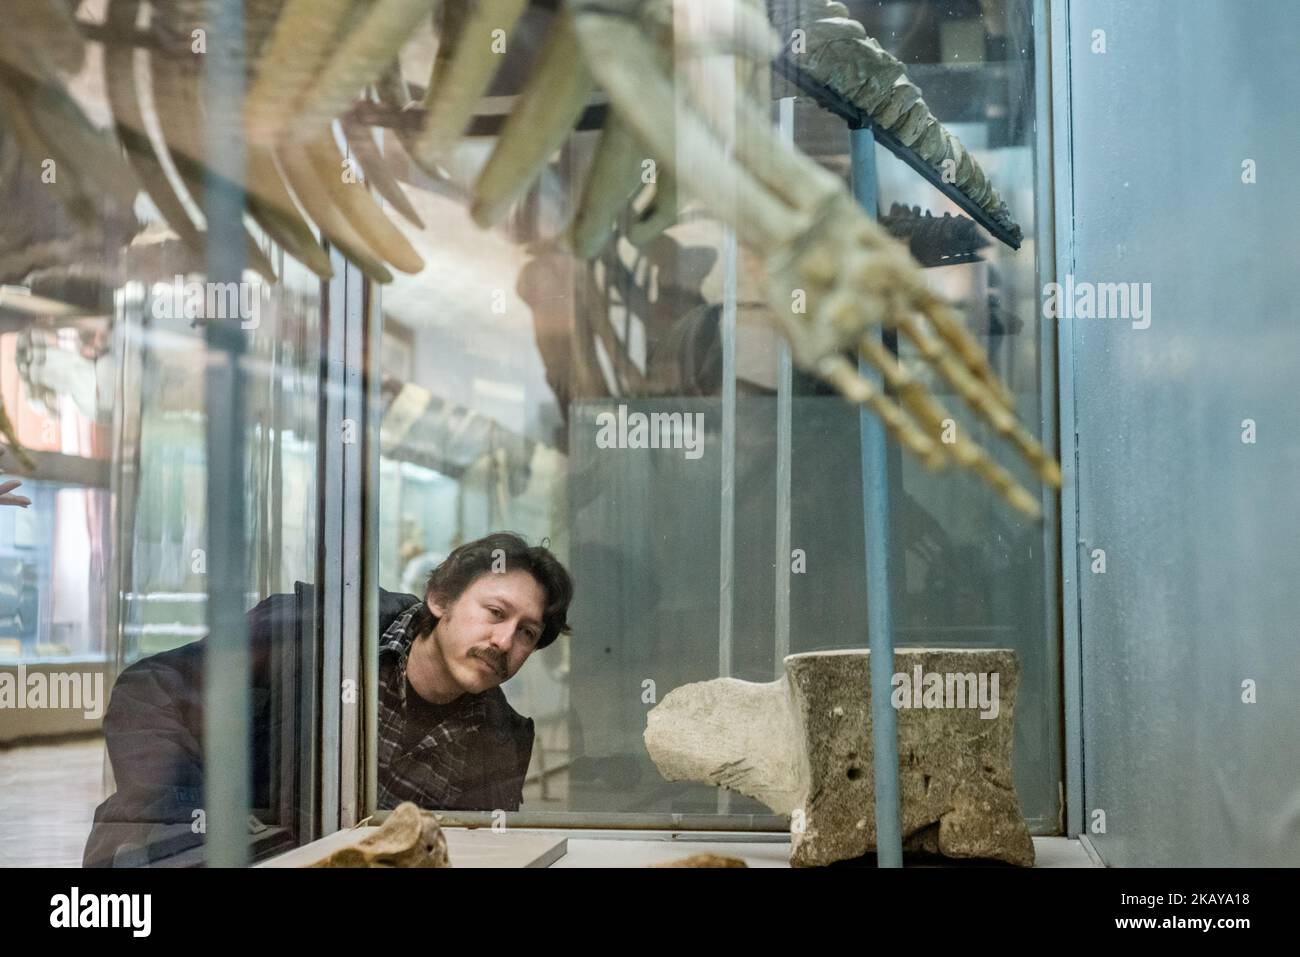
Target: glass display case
(382, 424)
(683, 561)
(734, 310)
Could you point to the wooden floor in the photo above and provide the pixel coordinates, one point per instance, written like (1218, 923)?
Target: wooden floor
(48, 796)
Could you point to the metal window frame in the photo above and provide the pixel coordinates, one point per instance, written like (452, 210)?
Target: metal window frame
(1055, 209)
(226, 685)
(348, 457)
(349, 758)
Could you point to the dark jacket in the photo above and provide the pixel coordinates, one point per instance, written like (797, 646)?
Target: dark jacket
(153, 729)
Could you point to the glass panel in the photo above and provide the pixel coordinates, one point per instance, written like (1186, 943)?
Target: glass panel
(973, 571)
(507, 370)
(57, 378)
(52, 588)
(104, 575)
(1187, 422)
(165, 567)
(507, 353)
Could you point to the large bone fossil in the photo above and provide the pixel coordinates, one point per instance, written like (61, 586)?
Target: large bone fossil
(835, 276)
(836, 50)
(409, 837)
(803, 746)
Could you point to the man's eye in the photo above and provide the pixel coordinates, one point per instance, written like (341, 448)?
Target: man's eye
(496, 612)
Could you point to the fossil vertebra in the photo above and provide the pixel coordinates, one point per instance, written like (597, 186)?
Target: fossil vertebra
(803, 746)
(408, 838)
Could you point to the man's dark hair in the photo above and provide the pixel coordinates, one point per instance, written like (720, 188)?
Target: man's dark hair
(494, 552)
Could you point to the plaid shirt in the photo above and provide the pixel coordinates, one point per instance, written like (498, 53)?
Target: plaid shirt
(472, 759)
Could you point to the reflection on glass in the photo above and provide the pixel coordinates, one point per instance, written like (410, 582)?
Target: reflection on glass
(506, 354)
(52, 586)
(508, 372)
(154, 723)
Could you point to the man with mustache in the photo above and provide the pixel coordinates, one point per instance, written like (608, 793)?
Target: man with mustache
(447, 737)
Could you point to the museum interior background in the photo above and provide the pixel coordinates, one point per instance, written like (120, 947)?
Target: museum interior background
(383, 424)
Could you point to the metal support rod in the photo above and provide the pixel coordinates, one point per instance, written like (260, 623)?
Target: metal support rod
(1056, 192)
(374, 335)
(355, 429)
(226, 693)
(727, 94)
(727, 532)
(332, 558)
(784, 437)
(875, 518)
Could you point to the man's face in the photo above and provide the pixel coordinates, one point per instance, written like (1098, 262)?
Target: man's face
(487, 634)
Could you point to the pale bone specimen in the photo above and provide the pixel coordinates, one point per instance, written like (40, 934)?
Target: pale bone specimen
(803, 746)
(408, 838)
(837, 52)
(835, 276)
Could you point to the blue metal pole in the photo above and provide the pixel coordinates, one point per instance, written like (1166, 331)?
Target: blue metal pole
(226, 686)
(875, 517)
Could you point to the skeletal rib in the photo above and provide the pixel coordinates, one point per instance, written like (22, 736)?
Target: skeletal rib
(303, 36)
(541, 121)
(315, 197)
(660, 213)
(273, 208)
(180, 116)
(376, 170)
(462, 71)
(364, 52)
(357, 207)
(123, 99)
(611, 183)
